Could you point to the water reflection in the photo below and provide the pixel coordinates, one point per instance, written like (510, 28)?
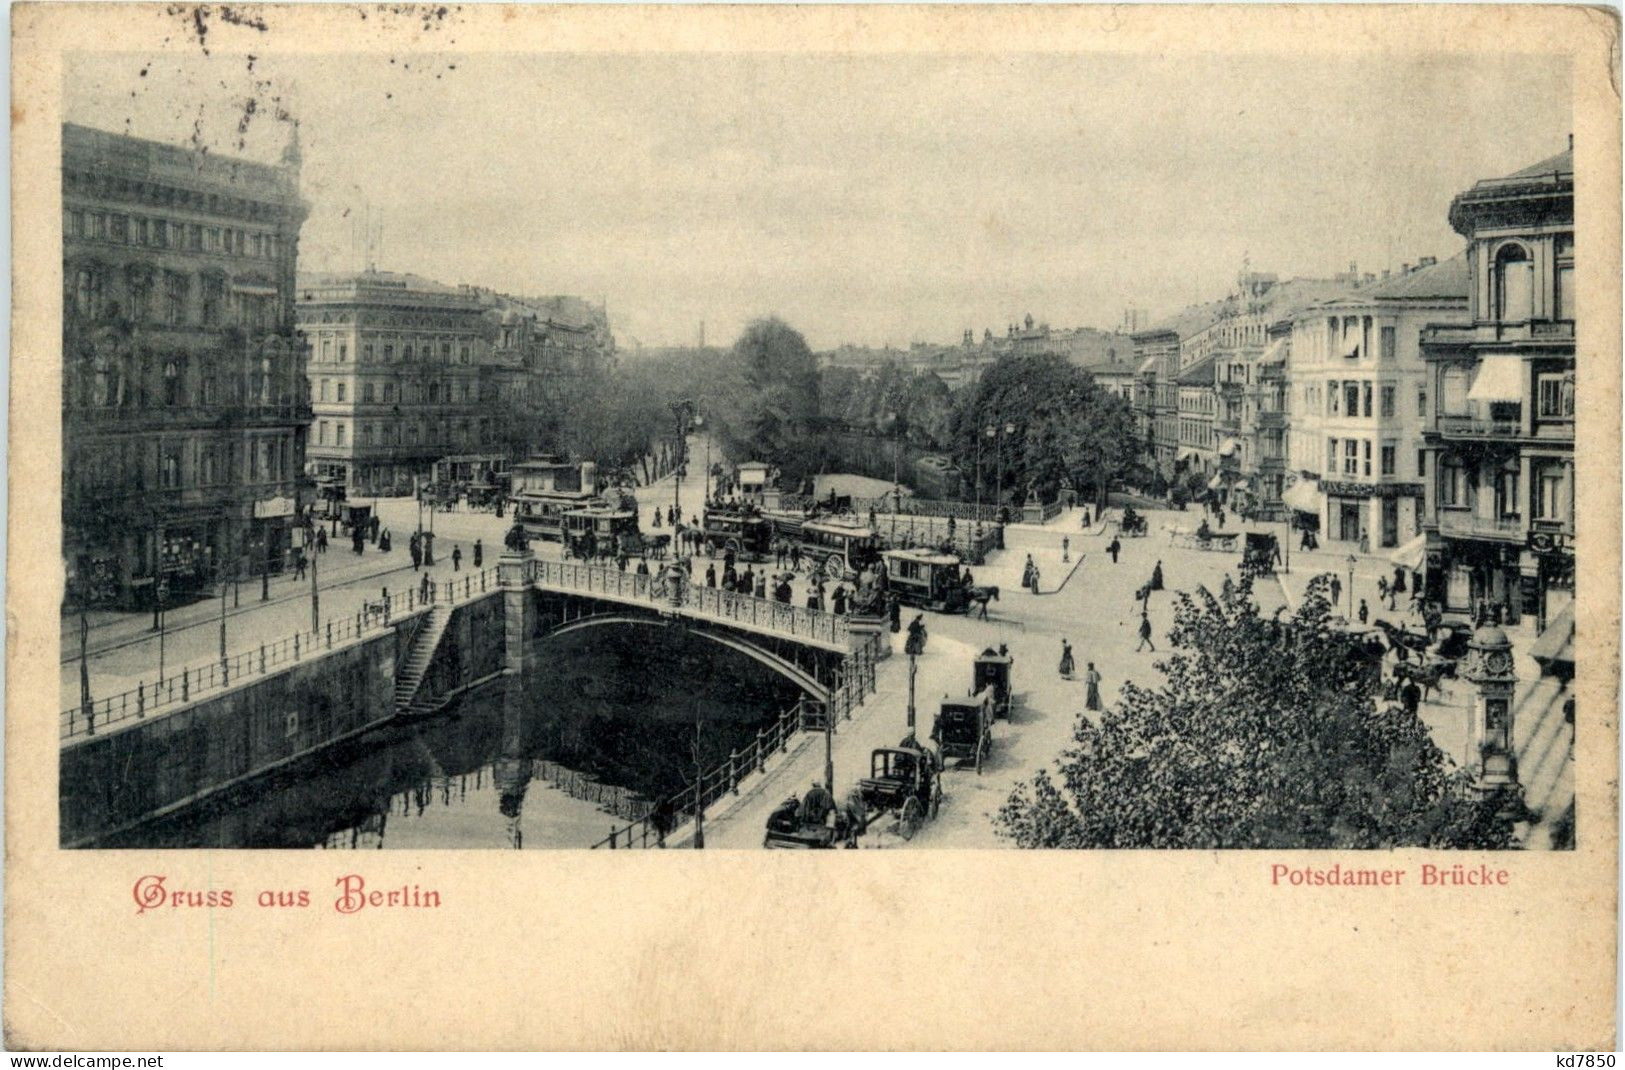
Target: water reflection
(520, 763)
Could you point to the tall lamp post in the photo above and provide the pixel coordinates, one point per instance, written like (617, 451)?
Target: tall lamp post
(1351, 563)
(683, 410)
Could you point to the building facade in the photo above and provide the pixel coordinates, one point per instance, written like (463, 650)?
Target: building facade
(1156, 397)
(1499, 432)
(1359, 397)
(401, 375)
(183, 406)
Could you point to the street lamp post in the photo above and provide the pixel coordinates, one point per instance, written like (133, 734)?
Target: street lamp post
(912, 666)
(1351, 563)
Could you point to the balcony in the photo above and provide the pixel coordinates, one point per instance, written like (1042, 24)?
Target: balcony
(1480, 426)
(1271, 418)
(1463, 522)
(1464, 334)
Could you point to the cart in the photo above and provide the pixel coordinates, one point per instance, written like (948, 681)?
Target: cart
(1133, 525)
(904, 781)
(992, 670)
(964, 728)
(1260, 554)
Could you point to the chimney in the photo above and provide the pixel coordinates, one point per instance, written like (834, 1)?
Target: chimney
(1571, 142)
(589, 477)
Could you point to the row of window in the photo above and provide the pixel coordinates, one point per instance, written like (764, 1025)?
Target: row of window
(121, 229)
(1460, 486)
(403, 433)
(1554, 395)
(411, 392)
(1352, 397)
(330, 350)
(183, 464)
(148, 295)
(1350, 458)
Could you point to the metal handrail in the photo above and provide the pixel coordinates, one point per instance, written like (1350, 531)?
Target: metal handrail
(858, 682)
(182, 688)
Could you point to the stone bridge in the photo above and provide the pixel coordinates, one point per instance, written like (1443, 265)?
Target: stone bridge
(552, 598)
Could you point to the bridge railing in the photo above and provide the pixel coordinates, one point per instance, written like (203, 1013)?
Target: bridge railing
(195, 681)
(761, 613)
(857, 680)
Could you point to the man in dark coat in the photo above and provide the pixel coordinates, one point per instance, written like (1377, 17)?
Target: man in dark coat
(1114, 548)
(1411, 696)
(840, 601)
(710, 575)
(416, 546)
(479, 553)
(894, 611)
(1145, 635)
(456, 558)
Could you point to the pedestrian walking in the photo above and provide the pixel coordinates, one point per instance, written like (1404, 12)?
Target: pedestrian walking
(839, 601)
(1087, 519)
(1066, 660)
(1035, 579)
(1221, 518)
(423, 588)
(1114, 548)
(761, 585)
(1337, 590)
(1066, 549)
(1365, 541)
(622, 559)
(894, 613)
(1091, 681)
(710, 574)
(643, 567)
(1411, 696)
(657, 518)
(1156, 577)
(1365, 613)
(457, 558)
(1145, 634)
(1027, 572)
(299, 564)
(479, 552)
(795, 558)
(384, 541)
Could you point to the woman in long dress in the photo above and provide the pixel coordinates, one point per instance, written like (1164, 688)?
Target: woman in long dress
(1066, 660)
(1091, 679)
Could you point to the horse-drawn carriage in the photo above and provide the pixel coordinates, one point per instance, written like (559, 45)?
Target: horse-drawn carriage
(1132, 525)
(1203, 538)
(904, 780)
(1260, 554)
(992, 670)
(964, 728)
(927, 579)
(740, 528)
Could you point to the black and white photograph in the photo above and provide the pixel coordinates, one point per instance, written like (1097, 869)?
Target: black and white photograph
(760, 451)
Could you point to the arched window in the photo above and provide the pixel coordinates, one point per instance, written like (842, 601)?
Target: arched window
(172, 383)
(1514, 284)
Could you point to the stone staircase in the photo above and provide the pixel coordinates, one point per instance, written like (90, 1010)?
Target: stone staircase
(409, 701)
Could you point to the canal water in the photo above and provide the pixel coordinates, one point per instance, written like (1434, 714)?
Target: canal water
(625, 708)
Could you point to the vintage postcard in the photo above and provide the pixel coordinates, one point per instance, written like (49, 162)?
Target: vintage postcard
(1150, 472)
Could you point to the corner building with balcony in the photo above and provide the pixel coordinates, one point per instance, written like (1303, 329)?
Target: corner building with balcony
(1499, 508)
(183, 401)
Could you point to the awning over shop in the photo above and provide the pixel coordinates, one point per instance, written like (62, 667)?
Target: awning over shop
(1276, 353)
(1304, 496)
(1412, 554)
(1555, 645)
(1228, 448)
(1499, 379)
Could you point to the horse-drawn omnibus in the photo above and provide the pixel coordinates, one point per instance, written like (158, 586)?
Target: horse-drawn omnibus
(600, 530)
(740, 528)
(840, 548)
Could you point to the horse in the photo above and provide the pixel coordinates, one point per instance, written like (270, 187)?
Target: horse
(980, 596)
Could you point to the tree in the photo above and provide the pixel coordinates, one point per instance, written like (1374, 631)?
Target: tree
(1062, 426)
(1266, 734)
(767, 404)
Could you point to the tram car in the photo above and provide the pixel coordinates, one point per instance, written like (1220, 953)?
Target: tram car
(928, 579)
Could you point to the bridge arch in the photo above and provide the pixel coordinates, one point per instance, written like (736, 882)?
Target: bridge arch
(787, 669)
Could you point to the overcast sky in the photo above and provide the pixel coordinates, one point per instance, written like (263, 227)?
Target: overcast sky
(872, 199)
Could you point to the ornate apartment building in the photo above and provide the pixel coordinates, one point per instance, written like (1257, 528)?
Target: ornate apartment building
(1499, 430)
(402, 374)
(183, 402)
(1359, 395)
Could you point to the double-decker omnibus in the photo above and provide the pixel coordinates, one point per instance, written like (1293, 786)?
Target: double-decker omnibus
(740, 528)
